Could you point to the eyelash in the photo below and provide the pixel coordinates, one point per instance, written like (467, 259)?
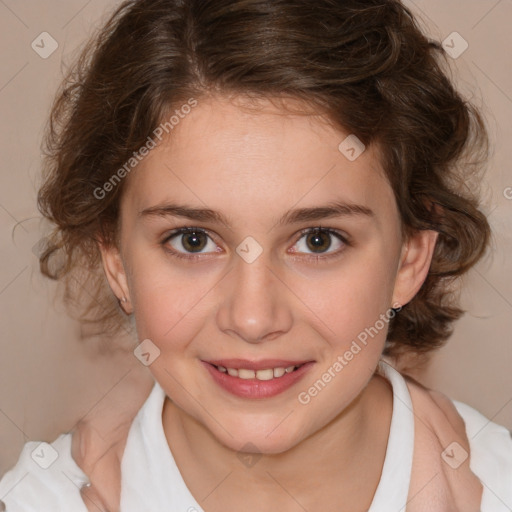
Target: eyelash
(318, 258)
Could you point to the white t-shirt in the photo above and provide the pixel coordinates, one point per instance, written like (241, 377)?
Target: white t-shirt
(151, 480)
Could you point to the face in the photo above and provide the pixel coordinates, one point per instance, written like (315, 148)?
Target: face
(290, 261)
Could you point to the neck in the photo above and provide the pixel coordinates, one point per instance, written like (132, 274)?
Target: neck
(349, 449)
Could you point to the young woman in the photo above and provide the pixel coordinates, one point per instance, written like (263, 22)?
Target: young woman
(268, 190)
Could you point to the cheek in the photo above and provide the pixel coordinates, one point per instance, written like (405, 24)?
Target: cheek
(349, 300)
(168, 302)
(352, 315)
(165, 310)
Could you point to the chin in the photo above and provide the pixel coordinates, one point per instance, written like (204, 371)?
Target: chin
(261, 438)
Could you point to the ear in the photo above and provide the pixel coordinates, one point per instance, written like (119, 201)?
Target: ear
(116, 275)
(415, 261)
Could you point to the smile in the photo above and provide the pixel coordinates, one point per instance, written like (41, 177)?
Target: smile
(263, 379)
(266, 374)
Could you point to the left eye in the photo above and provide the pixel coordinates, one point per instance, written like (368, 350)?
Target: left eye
(319, 240)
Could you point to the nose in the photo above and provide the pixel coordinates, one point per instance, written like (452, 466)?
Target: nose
(254, 302)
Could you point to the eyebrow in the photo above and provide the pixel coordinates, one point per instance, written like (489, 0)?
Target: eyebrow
(330, 210)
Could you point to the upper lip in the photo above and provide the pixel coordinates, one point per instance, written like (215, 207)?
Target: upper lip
(263, 364)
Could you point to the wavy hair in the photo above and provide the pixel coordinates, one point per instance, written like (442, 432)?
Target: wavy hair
(365, 64)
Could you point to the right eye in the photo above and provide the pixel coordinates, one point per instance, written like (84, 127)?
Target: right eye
(188, 240)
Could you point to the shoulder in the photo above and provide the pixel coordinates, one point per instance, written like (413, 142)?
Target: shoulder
(463, 432)
(45, 477)
(491, 457)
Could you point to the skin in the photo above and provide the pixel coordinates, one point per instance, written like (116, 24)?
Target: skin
(253, 165)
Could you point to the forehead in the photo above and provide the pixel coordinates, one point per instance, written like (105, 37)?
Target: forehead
(246, 160)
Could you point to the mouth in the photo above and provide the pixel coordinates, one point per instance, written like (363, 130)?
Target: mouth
(262, 379)
(263, 374)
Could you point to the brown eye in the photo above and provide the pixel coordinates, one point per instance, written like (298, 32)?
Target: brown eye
(193, 242)
(189, 240)
(318, 241)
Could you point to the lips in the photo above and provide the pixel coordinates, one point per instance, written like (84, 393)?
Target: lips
(256, 379)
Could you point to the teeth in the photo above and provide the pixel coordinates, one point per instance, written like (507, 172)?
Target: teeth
(267, 374)
(279, 372)
(246, 374)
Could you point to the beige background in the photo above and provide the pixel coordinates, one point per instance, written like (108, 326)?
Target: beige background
(49, 379)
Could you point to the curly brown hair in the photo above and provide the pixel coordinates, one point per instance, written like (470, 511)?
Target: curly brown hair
(365, 64)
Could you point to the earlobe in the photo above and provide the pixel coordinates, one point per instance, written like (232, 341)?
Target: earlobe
(116, 275)
(415, 259)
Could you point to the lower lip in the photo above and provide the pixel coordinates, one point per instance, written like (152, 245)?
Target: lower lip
(254, 388)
